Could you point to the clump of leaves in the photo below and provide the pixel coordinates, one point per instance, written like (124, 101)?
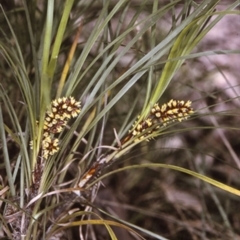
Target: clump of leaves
(50, 180)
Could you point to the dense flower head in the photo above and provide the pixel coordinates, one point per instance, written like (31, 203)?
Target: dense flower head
(53, 125)
(66, 107)
(61, 110)
(174, 110)
(171, 111)
(50, 146)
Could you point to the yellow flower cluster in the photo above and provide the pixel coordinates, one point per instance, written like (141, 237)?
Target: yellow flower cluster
(61, 110)
(161, 116)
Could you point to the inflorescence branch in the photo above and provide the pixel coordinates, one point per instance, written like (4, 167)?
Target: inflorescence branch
(60, 112)
(159, 116)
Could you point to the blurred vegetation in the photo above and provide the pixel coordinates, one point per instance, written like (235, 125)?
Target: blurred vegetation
(119, 58)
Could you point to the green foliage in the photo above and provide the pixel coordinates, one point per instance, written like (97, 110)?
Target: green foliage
(117, 59)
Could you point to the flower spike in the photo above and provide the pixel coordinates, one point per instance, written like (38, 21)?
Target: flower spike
(174, 110)
(61, 110)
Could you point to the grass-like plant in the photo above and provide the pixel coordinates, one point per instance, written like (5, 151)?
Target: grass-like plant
(83, 86)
